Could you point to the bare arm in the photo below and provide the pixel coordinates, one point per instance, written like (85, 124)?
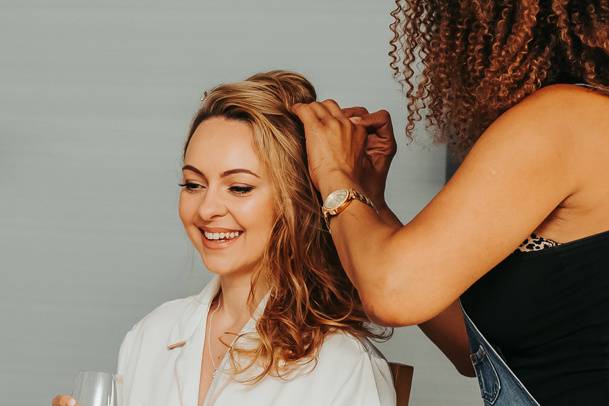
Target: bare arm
(447, 329)
(517, 174)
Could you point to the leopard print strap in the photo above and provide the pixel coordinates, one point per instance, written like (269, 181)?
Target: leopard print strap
(536, 243)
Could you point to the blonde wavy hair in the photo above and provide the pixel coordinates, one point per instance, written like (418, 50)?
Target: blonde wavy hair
(310, 294)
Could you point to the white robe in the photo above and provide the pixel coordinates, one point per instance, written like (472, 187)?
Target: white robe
(349, 371)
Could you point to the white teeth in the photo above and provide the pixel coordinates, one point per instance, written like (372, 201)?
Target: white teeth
(221, 236)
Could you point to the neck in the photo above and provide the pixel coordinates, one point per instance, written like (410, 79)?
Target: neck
(235, 294)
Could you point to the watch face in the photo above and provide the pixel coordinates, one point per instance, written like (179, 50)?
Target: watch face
(336, 198)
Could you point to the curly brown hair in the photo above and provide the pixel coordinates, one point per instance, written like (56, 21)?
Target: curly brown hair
(481, 57)
(310, 293)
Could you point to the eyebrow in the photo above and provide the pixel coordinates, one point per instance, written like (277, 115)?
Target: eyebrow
(224, 174)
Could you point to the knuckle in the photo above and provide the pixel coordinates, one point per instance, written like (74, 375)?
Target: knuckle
(385, 114)
(347, 124)
(333, 123)
(303, 106)
(360, 131)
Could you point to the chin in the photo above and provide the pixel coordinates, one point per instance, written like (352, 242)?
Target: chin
(225, 267)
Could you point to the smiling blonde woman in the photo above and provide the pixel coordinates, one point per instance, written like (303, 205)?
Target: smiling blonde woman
(280, 323)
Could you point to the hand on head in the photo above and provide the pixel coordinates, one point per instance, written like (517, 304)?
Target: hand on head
(349, 143)
(380, 148)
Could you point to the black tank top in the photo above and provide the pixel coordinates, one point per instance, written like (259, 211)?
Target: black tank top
(545, 308)
(547, 314)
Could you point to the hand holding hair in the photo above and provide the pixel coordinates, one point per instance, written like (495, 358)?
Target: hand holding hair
(347, 148)
(335, 145)
(380, 148)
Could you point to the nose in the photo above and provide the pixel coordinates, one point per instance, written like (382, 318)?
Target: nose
(212, 205)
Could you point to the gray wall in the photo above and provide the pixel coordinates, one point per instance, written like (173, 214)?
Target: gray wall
(95, 100)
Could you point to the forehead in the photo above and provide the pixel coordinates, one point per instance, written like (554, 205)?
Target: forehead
(220, 144)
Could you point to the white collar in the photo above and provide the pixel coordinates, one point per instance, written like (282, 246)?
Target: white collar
(188, 334)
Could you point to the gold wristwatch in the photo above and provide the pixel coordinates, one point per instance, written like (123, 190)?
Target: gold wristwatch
(339, 200)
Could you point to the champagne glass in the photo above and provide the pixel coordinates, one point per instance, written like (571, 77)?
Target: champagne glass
(95, 389)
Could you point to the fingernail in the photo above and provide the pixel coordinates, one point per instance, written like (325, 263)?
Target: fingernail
(72, 402)
(355, 119)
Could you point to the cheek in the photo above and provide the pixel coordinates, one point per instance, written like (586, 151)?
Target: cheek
(186, 209)
(257, 216)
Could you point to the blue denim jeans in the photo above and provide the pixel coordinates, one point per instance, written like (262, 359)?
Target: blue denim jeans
(498, 384)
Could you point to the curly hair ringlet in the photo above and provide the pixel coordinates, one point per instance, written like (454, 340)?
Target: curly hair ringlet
(310, 295)
(481, 57)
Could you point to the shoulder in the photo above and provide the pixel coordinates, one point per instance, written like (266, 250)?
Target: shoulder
(550, 129)
(345, 349)
(541, 132)
(569, 93)
(153, 329)
(537, 113)
(566, 98)
(345, 344)
(355, 370)
(559, 110)
(165, 315)
(157, 324)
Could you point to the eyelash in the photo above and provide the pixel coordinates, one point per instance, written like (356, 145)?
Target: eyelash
(240, 190)
(189, 186)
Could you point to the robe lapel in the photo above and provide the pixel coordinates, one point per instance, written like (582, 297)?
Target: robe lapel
(224, 376)
(187, 337)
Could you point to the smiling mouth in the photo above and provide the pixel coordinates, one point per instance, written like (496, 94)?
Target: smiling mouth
(225, 236)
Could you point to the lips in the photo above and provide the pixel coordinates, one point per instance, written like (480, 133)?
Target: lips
(216, 238)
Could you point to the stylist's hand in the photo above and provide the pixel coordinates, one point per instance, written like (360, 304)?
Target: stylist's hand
(64, 400)
(380, 148)
(335, 145)
(347, 147)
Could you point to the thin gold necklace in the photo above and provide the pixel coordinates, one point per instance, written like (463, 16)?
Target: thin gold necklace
(209, 332)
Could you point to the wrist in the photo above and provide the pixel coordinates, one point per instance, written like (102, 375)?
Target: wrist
(336, 180)
(381, 204)
(377, 198)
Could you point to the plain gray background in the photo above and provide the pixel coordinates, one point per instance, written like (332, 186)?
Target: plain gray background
(95, 101)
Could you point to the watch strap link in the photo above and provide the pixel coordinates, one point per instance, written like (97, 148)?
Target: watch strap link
(353, 194)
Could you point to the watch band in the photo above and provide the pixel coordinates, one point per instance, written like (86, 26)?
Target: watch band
(352, 194)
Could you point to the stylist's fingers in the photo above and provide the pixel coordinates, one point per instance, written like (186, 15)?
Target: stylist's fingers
(64, 400)
(381, 140)
(334, 109)
(334, 145)
(378, 120)
(307, 115)
(356, 111)
(323, 113)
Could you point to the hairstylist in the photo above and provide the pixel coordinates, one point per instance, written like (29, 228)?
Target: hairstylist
(521, 88)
